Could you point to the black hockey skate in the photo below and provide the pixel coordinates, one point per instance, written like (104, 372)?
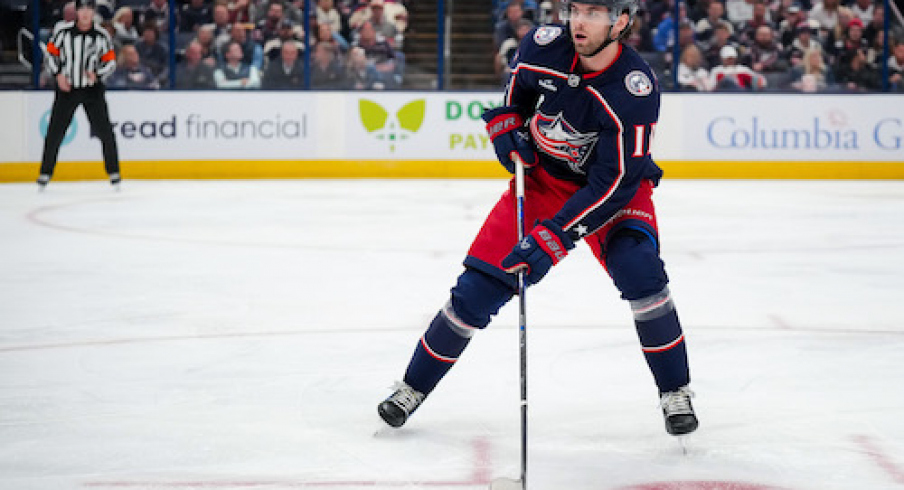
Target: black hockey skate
(396, 409)
(678, 411)
(42, 181)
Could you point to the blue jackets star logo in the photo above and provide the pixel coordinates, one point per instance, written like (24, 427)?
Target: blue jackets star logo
(558, 139)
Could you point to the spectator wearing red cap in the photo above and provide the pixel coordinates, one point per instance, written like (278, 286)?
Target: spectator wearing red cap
(851, 41)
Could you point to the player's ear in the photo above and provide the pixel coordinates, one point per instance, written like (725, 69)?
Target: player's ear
(622, 23)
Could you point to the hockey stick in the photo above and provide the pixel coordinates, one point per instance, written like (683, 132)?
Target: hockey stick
(508, 483)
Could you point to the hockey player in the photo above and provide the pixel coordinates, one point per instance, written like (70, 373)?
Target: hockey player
(580, 110)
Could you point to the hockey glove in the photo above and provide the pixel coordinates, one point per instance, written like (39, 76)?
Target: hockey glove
(543, 248)
(507, 132)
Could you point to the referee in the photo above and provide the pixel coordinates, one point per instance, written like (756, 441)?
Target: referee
(80, 54)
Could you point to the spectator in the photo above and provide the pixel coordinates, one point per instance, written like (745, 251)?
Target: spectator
(706, 27)
(805, 41)
(252, 52)
(326, 35)
(855, 75)
(787, 28)
(765, 53)
(152, 54)
(507, 28)
(664, 38)
(221, 26)
(123, 24)
(240, 12)
(285, 73)
(721, 37)
(692, 75)
(397, 14)
(896, 66)
(194, 14)
(811, 74)
(268, 27)
(380, 55)
(287, 34)
(508, 49)
(732, 77)
(826, 13)
(204, 37)
(385, 28)
(157, 12)
(68, 14)
(234, 74)
(327, 14)
(876, 24)
(852, 39)
(192, 73)
(326, 67)
(640, 37)
(130, 73)
(360, 74)
(107, 25)
(660, 10)
(876, 50)
(698, 10)
(739, 12)
(863, 10)
(760, 18)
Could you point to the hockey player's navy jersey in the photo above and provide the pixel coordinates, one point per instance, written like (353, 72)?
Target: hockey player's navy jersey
(593, 129)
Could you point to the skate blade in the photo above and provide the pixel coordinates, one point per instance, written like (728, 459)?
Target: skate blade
(684, 441)
(506, 484)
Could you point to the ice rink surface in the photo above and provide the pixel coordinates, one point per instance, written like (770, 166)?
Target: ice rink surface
(238, 335)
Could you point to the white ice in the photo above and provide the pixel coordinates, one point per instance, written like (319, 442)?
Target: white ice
(239, 335)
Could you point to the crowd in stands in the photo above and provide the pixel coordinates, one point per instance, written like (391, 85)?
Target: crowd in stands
(744, 45)
(250, 44)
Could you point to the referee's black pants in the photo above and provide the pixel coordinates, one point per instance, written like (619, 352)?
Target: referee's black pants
(64, 106)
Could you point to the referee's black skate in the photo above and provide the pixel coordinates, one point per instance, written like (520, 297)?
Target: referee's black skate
(115, 180)
(396, 409)
(680, 418)
(42, 181)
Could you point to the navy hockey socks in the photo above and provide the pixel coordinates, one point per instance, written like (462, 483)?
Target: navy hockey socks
(662, 340)
(475, 299)
(438, 350)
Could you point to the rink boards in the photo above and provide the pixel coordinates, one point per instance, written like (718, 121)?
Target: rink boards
(219, 134)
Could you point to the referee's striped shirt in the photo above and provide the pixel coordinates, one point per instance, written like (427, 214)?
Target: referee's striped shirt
(74, 53)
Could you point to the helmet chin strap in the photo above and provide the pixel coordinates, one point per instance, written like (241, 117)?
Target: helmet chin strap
(609, 40)
(604, 44)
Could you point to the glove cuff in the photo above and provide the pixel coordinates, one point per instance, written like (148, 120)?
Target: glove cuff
(502, 120)
(553, 241)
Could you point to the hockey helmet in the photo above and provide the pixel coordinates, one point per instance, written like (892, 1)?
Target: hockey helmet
(616, 8)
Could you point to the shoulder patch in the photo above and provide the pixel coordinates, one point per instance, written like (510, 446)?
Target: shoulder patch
(547, 34)
(638, 83)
